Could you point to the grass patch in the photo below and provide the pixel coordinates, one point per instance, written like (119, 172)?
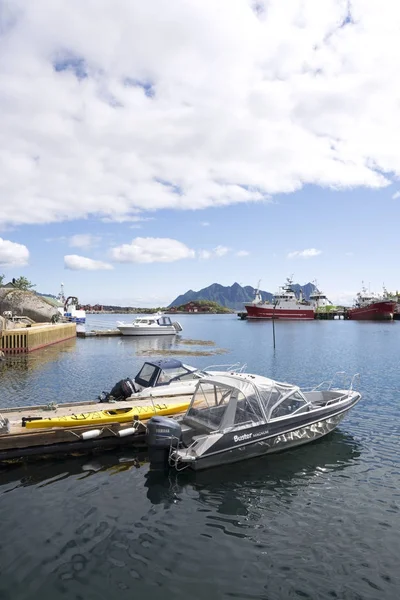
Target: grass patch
(182, 352)
(197, 342)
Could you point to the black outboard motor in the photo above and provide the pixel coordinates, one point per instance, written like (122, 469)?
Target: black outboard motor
(162, 433)
(122, 390)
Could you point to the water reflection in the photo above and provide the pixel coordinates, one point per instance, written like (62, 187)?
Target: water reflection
(283, 473)
(233, 489)
(38, 359)
(150, 343)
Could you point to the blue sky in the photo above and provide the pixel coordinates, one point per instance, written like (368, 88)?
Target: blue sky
(168, 146)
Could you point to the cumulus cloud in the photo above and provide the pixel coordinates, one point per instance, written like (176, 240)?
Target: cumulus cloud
(81, 263)
(307, 253)
(192, 104)
(13, 254)
(242, 253)
(83, 240)
(149, 250)
(216, 252)
(396, 195)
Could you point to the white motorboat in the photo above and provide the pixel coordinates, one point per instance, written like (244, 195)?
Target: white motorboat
(157, 324)
(164, 377)
(237, 416)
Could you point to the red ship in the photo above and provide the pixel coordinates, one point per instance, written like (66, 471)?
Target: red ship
(370, 307)
(284, 306)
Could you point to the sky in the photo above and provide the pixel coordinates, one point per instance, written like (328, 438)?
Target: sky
(148, 148)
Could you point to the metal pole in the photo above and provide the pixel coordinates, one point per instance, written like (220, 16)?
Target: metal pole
(273, 324)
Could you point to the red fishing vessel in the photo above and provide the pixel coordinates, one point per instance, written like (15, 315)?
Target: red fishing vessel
(285, 305)
(371, 307)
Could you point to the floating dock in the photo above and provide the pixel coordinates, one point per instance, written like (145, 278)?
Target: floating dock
(28, 339)
(99, 333)
(18, 443)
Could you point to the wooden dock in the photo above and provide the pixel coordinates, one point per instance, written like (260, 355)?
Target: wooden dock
(20, 443)
(28, 339)
(99, 333)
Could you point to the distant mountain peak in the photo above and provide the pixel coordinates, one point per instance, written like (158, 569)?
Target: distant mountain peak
(234, 296)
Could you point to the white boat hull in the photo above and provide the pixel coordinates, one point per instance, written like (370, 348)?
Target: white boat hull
(130, 330)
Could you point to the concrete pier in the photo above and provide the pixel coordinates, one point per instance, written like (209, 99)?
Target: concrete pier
(28, 339)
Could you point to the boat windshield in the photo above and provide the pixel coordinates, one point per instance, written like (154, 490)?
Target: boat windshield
(176, 374)
(164, 321)
(294, 403)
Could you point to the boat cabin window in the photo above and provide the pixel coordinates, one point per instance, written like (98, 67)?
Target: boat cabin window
(247, 411)
(209, 404)
(218, 407)
(146, 374)
(164, 321)
(293, 403)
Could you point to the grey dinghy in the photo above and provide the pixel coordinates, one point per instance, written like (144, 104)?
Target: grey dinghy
(237, 416)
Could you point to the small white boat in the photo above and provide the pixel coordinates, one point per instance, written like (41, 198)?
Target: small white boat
(157, 324)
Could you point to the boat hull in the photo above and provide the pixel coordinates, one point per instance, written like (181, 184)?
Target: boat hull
(376, 311)
(271, 438)
(126, 330)
(255, 311)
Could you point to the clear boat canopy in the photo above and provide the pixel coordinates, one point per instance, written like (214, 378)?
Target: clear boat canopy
(164, 371)
(238, 401)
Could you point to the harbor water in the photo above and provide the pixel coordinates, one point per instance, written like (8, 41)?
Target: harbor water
(320, 521)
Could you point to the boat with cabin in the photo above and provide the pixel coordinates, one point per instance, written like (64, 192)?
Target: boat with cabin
(237, 416)
(369, 306)
(285, 305)
(156, 324)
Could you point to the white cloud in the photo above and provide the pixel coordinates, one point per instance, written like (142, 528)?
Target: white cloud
(13, 254)
(307, 253)
(81, 263)
(242, 253)
(149, 250)
(396, 195)
(83, 240)
(126, 219)
(221, 251)
(216, 252)
(192, 104)
(205, 224)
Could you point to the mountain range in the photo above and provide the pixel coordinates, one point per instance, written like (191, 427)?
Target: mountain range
(234, 296)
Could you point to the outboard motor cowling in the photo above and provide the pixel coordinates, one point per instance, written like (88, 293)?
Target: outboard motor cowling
(162, 434)
(123, 389)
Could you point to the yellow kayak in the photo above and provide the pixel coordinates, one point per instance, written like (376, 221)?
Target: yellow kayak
(103, 417)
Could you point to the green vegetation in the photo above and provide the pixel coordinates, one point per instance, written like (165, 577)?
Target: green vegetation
(22, 283)
(204, 306)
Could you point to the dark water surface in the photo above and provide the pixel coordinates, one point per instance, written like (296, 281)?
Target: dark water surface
(320, 521)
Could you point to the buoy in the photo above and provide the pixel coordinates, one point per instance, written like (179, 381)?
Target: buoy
(127, 431)
(92, 433)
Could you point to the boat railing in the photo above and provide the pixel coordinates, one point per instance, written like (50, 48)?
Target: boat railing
(339, 376)
(355, 376)
(236, 367)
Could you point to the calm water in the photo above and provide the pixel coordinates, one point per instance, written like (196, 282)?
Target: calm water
(321, 521)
